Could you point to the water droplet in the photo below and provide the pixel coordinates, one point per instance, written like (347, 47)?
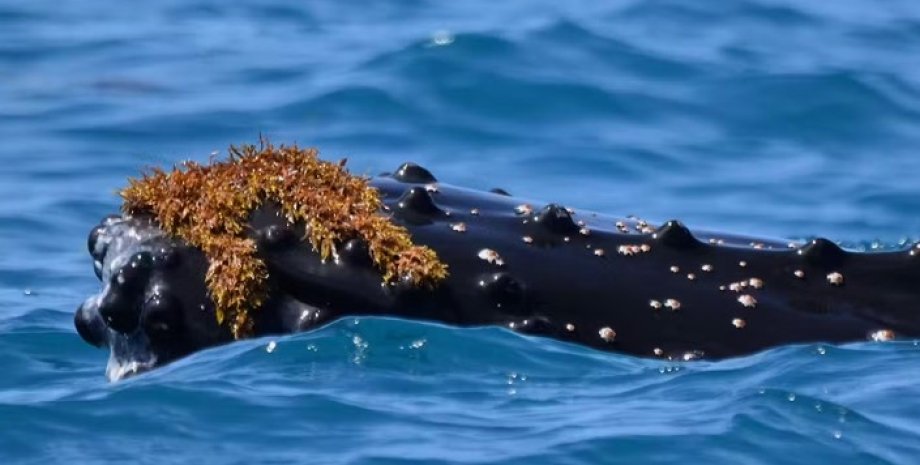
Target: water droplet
(442, 38)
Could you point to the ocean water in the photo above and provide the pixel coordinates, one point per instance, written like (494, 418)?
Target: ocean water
(786, 118)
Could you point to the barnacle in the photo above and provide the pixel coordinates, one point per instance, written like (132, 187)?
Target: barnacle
(208, 207)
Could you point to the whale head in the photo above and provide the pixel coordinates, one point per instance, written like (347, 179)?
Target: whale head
(153, 305)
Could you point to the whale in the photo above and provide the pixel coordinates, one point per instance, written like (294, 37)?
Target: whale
(619, 284)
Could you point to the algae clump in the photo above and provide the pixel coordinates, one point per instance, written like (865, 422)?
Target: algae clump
(208, 206)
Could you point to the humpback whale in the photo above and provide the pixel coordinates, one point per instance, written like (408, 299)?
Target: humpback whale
(617, 284)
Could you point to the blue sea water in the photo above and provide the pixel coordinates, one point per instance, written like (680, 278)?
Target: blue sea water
(787, 118)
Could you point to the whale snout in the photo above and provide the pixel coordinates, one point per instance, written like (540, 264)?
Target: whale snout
(90, 325)
(153, 306)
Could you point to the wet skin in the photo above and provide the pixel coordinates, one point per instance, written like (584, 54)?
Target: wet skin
(610, 283)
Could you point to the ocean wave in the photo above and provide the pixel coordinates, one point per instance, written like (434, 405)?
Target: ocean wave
(393, 389)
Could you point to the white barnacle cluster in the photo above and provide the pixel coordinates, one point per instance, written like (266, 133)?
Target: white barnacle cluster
(740, 286)
(633, 249)
(524, 209)
(882, 335)
(644, 227)
(607, 334)
(491, 256)
(747, 300)
(670, 304)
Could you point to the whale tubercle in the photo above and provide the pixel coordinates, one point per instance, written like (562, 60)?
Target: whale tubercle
(418, 201)
(675, 234)
(823, 252)
(413, 174)
(503, 290)
(556, 219)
